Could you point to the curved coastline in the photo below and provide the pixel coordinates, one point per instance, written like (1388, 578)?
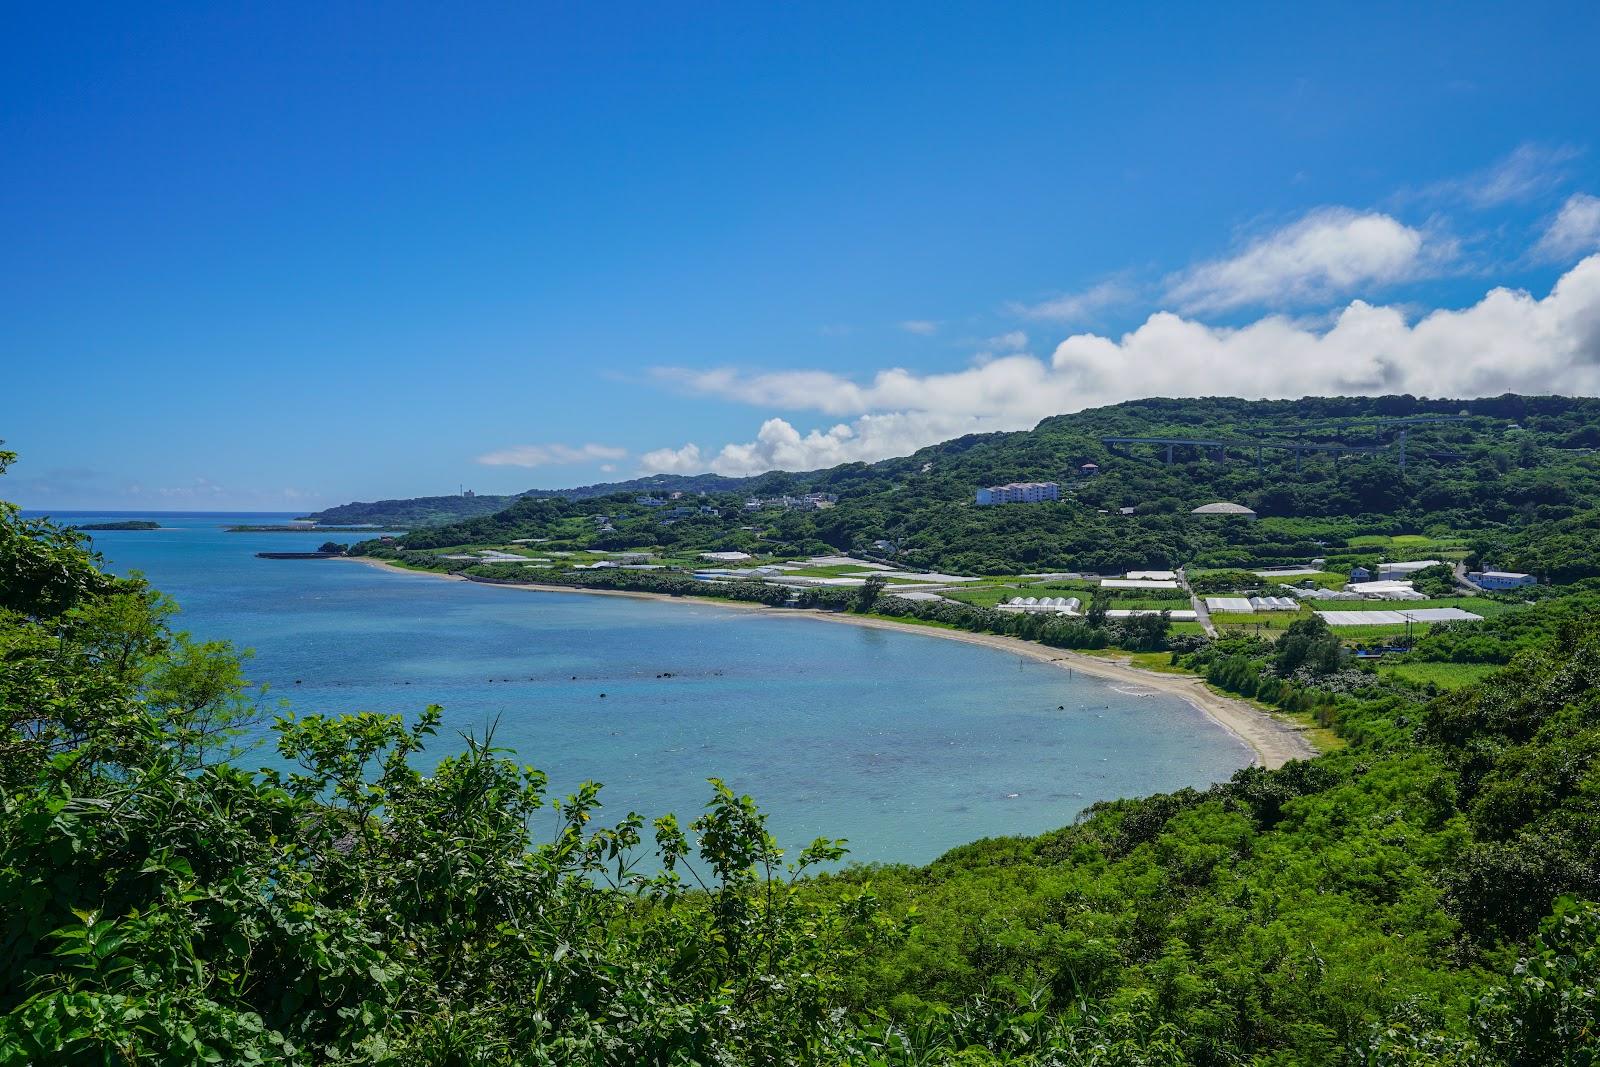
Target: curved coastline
(1272, 741)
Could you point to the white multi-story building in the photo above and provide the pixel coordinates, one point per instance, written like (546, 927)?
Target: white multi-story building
(1019, 493)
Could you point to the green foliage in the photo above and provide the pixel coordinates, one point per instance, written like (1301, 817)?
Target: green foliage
(126, 524)
(1226, 581)
(869, 594)
(1416, 897)
(418, 511)
(1309, 644)
(1435, 581)
(1358, 510)
(1559, 551)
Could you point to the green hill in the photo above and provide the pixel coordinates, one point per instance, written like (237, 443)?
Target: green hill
(413, 511)
(434, 510)
(1497, 465)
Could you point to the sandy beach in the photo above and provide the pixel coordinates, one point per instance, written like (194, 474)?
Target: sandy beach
(1273, 741)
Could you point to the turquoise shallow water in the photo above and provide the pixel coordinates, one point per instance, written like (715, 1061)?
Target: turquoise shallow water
(907, 745)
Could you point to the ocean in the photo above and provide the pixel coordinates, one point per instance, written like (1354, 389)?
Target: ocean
(905, 744)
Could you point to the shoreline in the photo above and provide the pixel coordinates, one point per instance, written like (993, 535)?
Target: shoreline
(1271, 741)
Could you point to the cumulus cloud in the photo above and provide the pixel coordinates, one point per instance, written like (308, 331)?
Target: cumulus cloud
(1509, 340)
(685, 460)
(1330, 253)
(1575, 231)
(920, 327)
(778, 445)
(1076, 307)
(549, 455)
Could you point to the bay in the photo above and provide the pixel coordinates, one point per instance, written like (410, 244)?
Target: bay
(905, 744)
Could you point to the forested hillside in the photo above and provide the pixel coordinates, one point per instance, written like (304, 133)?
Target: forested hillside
(1421, 896)
(1507, 471)
(413, 511)
(434, 510)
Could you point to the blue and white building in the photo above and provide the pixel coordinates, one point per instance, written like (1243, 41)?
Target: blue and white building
(1501, 579)
(1019, 493)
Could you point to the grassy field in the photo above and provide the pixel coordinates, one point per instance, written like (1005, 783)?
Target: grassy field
(1412, 546)
(1443, 675)
(1131, 603)
(1266, 620)
(1374, 633)
(1326, 579)
(831, 570)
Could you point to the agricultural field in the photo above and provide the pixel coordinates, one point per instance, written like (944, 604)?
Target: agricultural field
(1325, 579)
(1367, 634)
(1265, 623)
(1442, 675)
(1478, 605)
(1145, 603)
(1402, 547)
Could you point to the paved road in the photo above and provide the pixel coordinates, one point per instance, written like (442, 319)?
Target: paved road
(1201, 615)
(1463, 583)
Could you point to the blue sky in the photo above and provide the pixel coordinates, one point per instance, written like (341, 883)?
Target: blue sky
(281, 256)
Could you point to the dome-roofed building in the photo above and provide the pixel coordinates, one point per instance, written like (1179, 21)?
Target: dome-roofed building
(1223, 507)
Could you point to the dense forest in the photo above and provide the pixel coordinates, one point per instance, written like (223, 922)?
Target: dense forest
(1518, 473)
(430, 510)
(1421, 895)
(415, 511)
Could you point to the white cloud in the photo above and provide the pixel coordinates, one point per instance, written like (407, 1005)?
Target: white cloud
(1076, 307)
(1013, 341)
(1508, 341)
(1575, 231)
(1531, 170)
(779, 446)
(201, 488)
(920, 327)
(685, 460)
(1332, 252)
(549, 455)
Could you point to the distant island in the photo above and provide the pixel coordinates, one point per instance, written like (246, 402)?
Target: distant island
(126, 524)
(303, 528)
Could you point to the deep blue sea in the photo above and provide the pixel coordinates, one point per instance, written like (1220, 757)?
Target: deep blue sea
(907, 745)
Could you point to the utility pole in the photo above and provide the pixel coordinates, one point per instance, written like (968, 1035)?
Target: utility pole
(1402, 450)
